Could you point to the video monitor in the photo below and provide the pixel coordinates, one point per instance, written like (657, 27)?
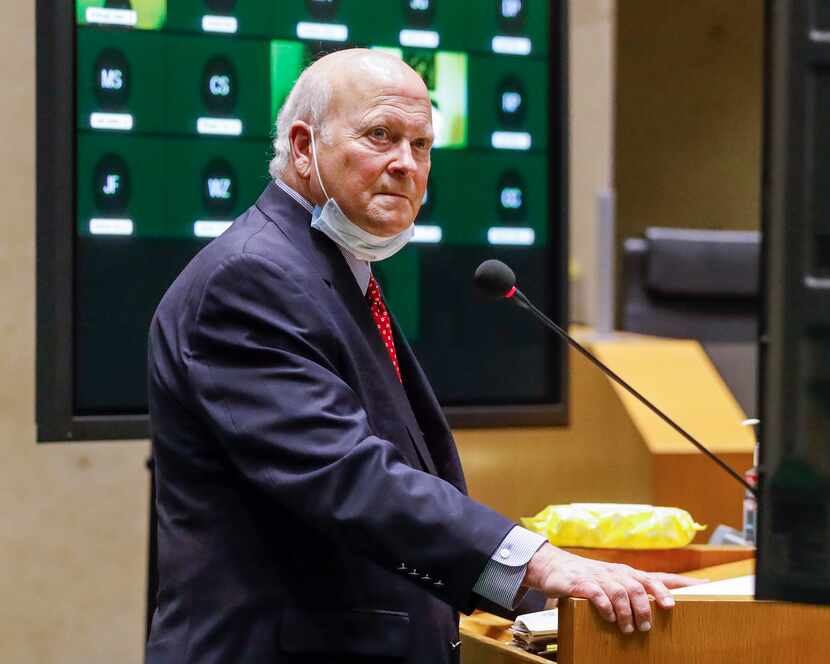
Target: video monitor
(793, 556)
(156, 123)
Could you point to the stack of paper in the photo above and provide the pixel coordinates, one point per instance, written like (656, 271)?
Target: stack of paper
(537, 632)
(739, 586)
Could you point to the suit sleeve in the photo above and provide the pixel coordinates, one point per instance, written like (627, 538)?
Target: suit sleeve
(262, 363)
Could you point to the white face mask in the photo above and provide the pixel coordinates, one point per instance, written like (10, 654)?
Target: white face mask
(334, 224)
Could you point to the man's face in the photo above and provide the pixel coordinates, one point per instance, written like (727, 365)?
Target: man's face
(377, 159)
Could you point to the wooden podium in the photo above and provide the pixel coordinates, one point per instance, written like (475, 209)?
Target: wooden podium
(699, 630)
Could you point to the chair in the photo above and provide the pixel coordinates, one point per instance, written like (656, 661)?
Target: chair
(703, 285)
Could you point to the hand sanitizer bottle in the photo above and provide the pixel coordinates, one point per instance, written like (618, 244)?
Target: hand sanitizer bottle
(750, 502)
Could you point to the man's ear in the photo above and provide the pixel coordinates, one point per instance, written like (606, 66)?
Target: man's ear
(299, 137)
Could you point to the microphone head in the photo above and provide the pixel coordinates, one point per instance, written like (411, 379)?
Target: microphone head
(495, 279)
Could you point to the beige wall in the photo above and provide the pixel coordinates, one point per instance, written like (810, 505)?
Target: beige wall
(592, 142)
(688, 114)
(72, 517)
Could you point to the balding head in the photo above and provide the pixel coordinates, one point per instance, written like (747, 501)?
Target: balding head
(371, 118)
(360, 68)
(327, 82)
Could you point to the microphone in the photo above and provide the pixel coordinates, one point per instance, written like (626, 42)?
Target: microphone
(496, 280)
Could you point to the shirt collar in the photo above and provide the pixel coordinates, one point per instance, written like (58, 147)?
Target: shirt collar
(361, 270)
(296, 196)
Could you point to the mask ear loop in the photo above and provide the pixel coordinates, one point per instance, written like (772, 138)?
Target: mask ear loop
(316, 167)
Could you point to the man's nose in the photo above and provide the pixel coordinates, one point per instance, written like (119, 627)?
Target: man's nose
(404, 161)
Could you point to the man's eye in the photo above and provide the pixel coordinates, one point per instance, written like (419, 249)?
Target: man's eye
(379, 133)
(422, 144)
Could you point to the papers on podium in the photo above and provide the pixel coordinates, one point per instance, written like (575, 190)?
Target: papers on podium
(739, 586)
(537, 632)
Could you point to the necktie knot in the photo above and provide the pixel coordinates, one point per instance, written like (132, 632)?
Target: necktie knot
(373, 292)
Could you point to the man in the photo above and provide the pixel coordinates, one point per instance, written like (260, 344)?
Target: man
(311, 502)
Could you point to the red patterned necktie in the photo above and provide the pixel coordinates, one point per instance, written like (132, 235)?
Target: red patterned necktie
(381, 315)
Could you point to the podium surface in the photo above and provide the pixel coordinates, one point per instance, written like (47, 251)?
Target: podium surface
(699, 630)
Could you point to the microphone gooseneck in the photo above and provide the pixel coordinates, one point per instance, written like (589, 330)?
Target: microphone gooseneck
(496, 279)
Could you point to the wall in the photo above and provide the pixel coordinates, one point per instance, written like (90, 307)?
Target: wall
(599, 457)
(688, 114)
(592, 142)
(73, 524)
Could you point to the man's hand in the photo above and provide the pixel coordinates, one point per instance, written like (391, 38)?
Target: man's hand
(619, 592)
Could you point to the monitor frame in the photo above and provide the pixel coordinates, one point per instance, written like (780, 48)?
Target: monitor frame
(793, 502)
(56, 418)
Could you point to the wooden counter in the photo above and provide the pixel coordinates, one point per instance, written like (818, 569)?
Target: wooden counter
(699, 630)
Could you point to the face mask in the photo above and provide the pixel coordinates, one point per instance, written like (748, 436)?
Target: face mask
(334, 224)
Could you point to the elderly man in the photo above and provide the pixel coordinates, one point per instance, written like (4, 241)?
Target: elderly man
(311, 502)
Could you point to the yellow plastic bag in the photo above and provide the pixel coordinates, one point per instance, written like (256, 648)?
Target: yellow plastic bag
(614, 526)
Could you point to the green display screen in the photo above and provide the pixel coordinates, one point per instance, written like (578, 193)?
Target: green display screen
(176, 103)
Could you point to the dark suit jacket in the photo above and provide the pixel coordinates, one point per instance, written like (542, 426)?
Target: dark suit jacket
(311, 508)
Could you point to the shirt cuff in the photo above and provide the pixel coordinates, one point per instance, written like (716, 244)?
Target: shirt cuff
(502, 577)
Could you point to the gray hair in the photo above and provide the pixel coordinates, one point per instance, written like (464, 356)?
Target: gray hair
(308, 101)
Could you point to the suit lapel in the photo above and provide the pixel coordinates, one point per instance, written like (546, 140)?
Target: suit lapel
(434, 433)
(344, 283)
(391, 383)
(325, 257)
(295, 223)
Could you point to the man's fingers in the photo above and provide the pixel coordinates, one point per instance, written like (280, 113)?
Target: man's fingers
(594, 593)
(640, 605)
(676, 580)
(658, 589)
(622, 604)
(619, 592)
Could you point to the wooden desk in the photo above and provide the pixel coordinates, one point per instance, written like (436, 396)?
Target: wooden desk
(699, 630)
(485, 640)
(678, 561)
